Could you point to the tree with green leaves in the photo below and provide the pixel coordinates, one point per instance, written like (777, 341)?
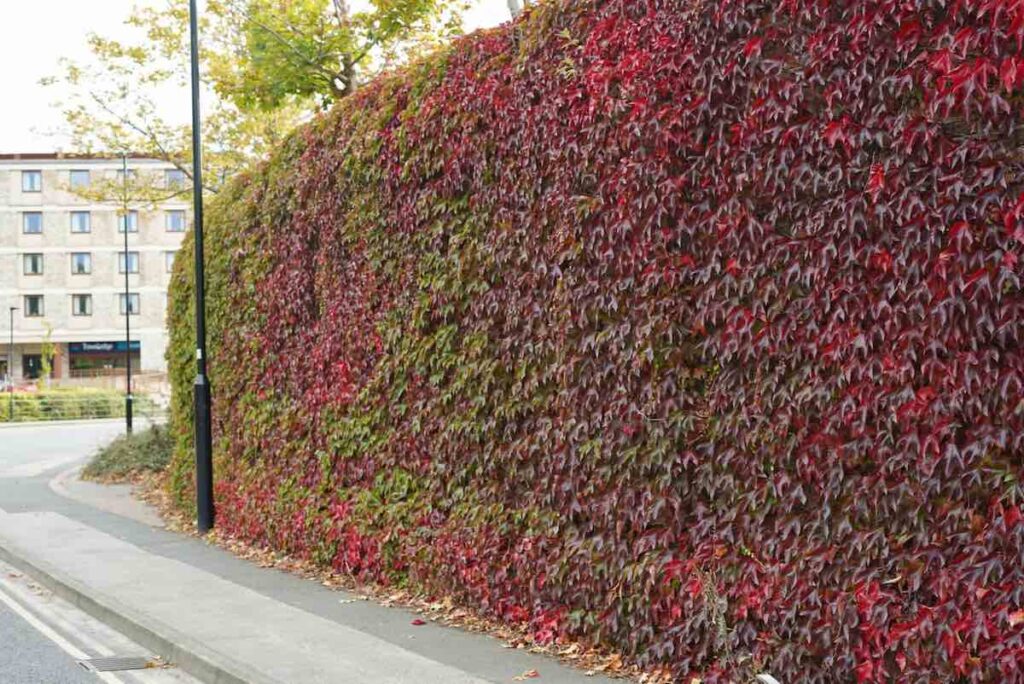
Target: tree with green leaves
(268, 65)
(48, 351)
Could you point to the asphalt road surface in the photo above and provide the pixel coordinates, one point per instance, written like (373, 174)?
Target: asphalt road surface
(31, 450)
(28, 657)
(42, 637)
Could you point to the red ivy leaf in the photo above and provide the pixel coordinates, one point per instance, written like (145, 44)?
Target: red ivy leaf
(876, 181)
(1011, 73)
(753, 47)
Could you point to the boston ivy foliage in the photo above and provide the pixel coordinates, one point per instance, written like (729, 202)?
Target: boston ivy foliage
(692, 328)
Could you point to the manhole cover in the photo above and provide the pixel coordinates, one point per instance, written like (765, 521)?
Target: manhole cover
(117, 663)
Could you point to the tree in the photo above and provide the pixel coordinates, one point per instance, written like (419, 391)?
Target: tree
(317, 49)
(48, 351)
(268, 65)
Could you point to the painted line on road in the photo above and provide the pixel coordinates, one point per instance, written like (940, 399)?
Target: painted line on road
(21, 590)
(48, 632)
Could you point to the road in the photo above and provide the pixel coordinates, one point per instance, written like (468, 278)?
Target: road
(31, 450)
(28, 656)
(42, 637)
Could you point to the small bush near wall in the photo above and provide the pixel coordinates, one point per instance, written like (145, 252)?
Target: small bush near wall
(130, 458)
(693, 329)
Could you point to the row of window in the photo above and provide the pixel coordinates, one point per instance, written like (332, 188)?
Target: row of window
(81, 263)
(81, 222)
(32, 181)
(81, 305)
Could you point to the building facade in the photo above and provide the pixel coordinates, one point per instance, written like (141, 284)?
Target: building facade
(63, 262)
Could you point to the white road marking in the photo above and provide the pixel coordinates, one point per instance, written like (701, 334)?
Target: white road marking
(20, 593)
(49, 633)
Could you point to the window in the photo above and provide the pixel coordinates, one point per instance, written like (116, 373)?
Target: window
(33, 306)
(81, 263)
(133, 222)
(33, 264)
(31, 181)
(175, 221)
(81, 305)
(133, 262)
(174, 178)
(133, 303)
(81, 222)
(169, 261)
(79, 179)
(32, 222)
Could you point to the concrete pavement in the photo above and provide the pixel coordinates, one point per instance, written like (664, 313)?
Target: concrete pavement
(223, 618)
(113, 498)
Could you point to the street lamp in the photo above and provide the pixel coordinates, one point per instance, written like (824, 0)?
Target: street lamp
(127, 299)
(201, 387)
(10, 370)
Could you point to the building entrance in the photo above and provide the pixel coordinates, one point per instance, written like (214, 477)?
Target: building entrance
(31, 366)
(89, 359)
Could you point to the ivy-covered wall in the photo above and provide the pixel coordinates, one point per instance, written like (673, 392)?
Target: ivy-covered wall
(693, 328)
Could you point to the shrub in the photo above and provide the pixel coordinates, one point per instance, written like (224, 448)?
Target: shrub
(690, 328)
(146, 451)
(71, 404)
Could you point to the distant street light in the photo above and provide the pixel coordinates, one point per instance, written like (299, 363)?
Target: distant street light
(201, 387)
(10, 370)
(127, 299)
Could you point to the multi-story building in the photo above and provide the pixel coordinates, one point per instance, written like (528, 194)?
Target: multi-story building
(63, 262)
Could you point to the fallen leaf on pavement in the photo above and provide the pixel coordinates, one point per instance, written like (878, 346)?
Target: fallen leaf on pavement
(529, 674)
(612, 664)
(419, 622)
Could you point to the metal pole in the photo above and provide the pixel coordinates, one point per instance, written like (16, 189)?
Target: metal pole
(127, 301)
(10, 371)
(201, 387)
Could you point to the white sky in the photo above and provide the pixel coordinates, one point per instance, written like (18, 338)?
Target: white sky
(35, 34)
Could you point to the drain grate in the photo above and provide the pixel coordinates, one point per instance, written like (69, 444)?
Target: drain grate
(118, 663)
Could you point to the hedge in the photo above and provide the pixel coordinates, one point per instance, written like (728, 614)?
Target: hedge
(690, 329)
(68, 404)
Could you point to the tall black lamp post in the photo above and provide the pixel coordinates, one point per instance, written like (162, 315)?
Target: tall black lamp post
(201, 387)
(10, 370)
(127, 298)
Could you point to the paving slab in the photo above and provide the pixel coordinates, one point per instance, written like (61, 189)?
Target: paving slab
(237, 633)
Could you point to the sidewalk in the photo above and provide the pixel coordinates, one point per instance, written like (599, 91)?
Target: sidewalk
(223, 619)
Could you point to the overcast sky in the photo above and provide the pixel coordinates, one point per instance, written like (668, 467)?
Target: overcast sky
(35, 34)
